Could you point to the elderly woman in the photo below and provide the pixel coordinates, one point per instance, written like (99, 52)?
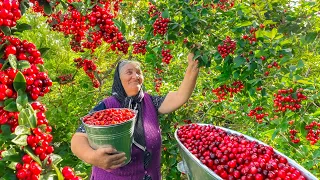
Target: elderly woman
(146, 148)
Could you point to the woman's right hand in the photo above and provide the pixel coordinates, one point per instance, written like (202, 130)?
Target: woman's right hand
(107, 158)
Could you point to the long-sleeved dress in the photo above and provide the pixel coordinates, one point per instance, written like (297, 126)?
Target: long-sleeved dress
(134, 170)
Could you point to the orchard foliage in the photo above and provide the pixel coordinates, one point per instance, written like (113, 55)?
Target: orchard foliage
(259, 73)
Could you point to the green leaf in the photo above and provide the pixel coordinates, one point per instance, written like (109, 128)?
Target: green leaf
(21, 140)
(271, 34)
(22, 100)
(284, 60)
(10, 176)
(205, 59)
(11, 107)
(275, 133)
(56, 159)
(6, 30)
(51, 175)
(19, 82)
(150, 57)
(5, 65)
(5, 130)
(300, 64)
(120, 25)
(245, 23)
(21, 65)
(260, 33)
(310, 37)
(267, 22)
(12, 165)
(13, 61)
(239, 61)
(286, 41)
(279, 36)
(23, 8)
(305, 82)
(32, 117)
(317, 113)
(22, 130)
(316, 154)
(59, 174)
(29, 151)
(41, 68)
(23, 26)
(263, 92)
(44, 51)
(8, 101)
(77, 5)
(23, 118)
(292, 68)
(47, 8)
(165, 13)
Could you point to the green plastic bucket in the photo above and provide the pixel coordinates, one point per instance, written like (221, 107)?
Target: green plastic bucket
(119, 136)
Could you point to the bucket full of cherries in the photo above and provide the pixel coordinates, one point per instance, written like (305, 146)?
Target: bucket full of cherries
(113, 127)
(213, 152)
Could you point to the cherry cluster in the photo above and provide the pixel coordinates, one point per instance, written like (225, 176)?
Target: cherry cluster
(313, 132)
(168, 42)
(40, 141)
(30, 169)
(90, 68)
(166, 56)
(153, 11)
(228, 47)
(293, 133)
(36, 7)
(225, 5)
(224, 90)
(23, 50)
(158, 84)
(258, 114)
(40, 110)
(284, 100)
(10, 118)
(274, 64)
(68, 174)
(160, 26)
(63, 79)
(2, 37)
(101, 17)
(78, 26)
(252, 36)
(9, 12)
(38, 83)
(6, 84)
(140, 47)
(235, 157)
(71, 23)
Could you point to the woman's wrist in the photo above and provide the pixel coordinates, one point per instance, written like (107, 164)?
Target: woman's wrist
(89, 156)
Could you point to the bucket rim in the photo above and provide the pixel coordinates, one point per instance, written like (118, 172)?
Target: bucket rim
(110, 125)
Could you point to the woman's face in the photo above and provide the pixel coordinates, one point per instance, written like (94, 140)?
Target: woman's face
(131, 78)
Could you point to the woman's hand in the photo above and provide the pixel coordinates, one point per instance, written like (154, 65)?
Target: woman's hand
(176, 99)
(107, 158)
(193, 64)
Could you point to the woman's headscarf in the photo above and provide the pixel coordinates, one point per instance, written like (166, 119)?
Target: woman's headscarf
(133, 102)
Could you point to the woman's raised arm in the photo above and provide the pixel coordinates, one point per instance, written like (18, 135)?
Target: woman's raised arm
(176, 99)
